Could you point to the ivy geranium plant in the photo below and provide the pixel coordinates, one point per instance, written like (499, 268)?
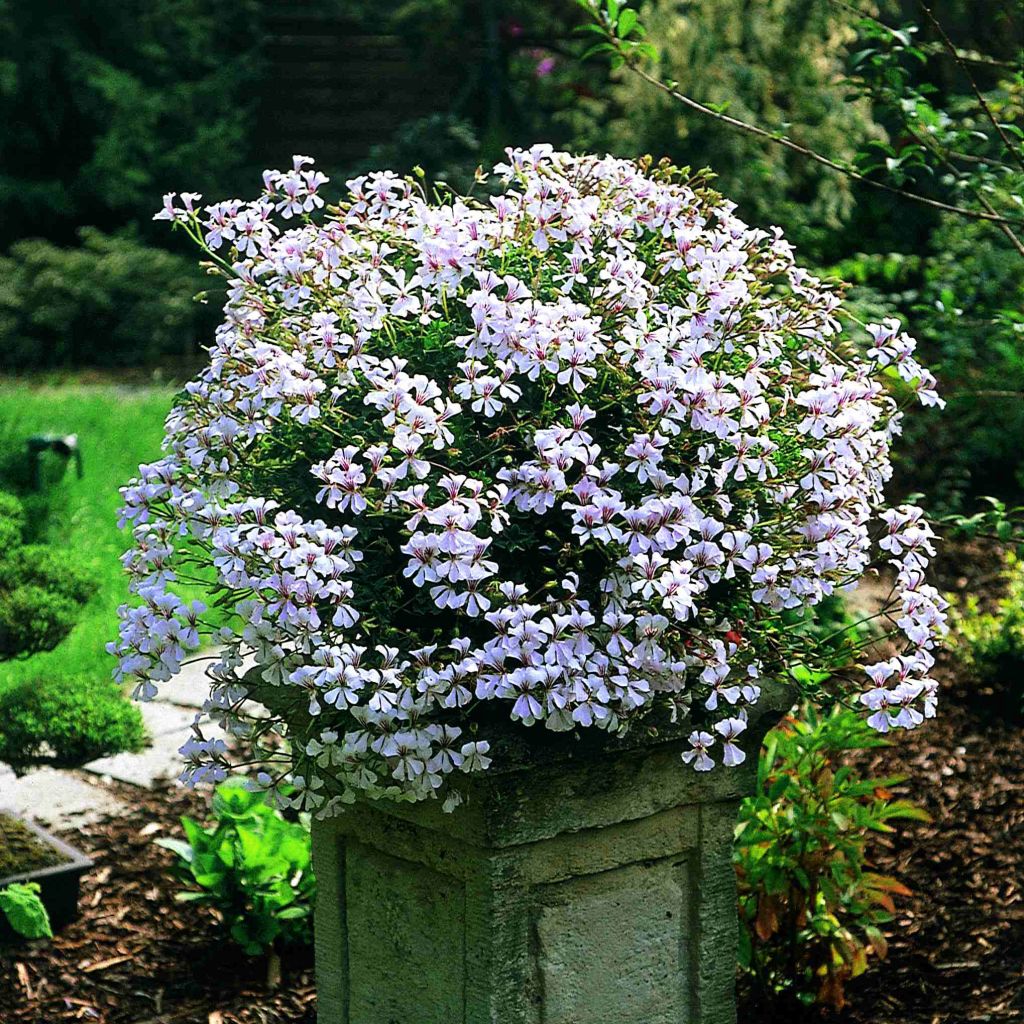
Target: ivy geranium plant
(559, 457)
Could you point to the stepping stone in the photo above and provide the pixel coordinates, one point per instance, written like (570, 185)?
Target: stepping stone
(189, 688)
(164, 719)
(155, 764)
(63, 799)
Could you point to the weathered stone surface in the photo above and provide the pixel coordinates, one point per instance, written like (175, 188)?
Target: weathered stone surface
(414, 920)
(59, 798)
(188, 689)
(590, 887)
(163, 719)
(609, 949)
(157, 763)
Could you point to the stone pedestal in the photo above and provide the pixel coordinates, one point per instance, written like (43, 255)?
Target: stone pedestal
(593, 885)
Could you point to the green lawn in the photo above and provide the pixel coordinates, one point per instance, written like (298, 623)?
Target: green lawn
(118, 427)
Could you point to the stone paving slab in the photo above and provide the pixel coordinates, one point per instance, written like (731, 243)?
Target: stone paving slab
(189, 688)
(59, 798)
(164, 719)
(157, 763)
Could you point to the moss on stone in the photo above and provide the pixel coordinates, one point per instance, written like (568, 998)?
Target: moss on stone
(22, 850)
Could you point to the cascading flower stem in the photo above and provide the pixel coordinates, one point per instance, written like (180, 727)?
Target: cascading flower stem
(572, 452)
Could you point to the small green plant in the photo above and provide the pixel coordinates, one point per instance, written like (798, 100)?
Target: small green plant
(811, 911)
(24, 910)
(252, 866)
(990, 644)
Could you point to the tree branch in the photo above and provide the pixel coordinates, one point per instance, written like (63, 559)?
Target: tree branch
(948, 44)
(810, 154)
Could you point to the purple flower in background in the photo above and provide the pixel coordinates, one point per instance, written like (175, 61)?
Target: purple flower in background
(545, 66)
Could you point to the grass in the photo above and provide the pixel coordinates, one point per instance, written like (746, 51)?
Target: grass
(118, 427)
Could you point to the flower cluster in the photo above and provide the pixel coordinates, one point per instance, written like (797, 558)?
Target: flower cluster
(578, 450)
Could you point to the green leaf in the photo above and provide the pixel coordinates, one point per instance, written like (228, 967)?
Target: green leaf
(25, 911)
(627, 22)
(180, 847)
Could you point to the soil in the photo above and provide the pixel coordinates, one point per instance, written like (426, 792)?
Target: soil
(956, 947)
(22, 850)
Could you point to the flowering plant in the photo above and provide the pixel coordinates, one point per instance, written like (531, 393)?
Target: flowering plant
(566, 453)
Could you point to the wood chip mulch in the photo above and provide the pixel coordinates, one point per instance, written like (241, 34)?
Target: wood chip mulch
(957, 947)
(138, 957)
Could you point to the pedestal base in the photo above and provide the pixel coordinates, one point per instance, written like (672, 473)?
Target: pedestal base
(585, 890)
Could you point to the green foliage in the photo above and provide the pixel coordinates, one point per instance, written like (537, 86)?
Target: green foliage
(810, 910)
(118, 427)
(42, 592)
(12, 521)
(774, 63)
(34, 619)
(252, 867)
(111, 301)
(24, 910)
(67, 720)
(831, 637)
(964, 297)
(42, 565)
(971, 316)
(61, 705)
(105, 104)
(990, 644)
(446, 148)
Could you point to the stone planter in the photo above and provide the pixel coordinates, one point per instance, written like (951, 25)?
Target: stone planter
(591, 884)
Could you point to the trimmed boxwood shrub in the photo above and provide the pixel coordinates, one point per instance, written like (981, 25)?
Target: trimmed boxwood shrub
(42, 590)
(66, 721)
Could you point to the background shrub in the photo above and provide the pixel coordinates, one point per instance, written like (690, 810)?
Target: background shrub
(990, 643)
(42, 592)
(66, 720)
(103, 104)
(33, 619)
(810, 910)
(111, 301)
(43, 566)
(12, 521)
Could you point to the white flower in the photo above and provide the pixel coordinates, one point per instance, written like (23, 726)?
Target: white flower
(698, 756)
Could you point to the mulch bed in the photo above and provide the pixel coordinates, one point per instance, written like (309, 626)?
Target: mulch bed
(956, 949)
(138, 957)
